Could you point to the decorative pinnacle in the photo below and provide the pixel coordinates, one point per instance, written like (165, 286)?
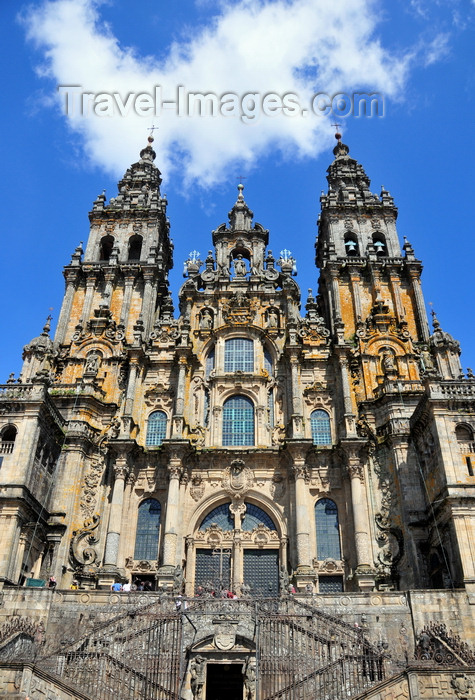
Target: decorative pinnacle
(47, 326)
(337, 132)
(435, 320)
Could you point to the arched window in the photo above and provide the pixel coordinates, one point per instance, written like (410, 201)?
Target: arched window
(238, 421)
(379, 243)
(321, 430)
(8, 437)
(219, 516)
(268, 362)
(255, 516)
(105, 249)
(148, 530)
(326, 525)
(210, 362)
(135, 247)
(463, 433)
(351, 244)
(239, 355)
(156, 428)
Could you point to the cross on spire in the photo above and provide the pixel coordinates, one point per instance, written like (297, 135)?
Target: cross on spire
(152, 129)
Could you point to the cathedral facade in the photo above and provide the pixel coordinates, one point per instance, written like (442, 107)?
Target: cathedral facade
(243, 450)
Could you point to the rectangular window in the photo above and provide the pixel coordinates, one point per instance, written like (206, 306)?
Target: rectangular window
(239, 355)
(330, 584)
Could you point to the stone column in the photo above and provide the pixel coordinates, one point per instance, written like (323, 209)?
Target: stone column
(65, 314)
(129, 400)
(172, 514)
(180, 399)
(91, 282)
(297, 420)
(301, 518)
(395, 282)
(109, 277)
(355, 281)
(190, 584)
(364, 566)
(19, 557)
(350, 422)
(420, 306)
(147, 302)
(129, 279)
(115, 515)
(238, 564)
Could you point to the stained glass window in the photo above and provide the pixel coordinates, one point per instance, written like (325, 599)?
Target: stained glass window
(254, 516)
(328, 535)
(156, 428)
(148, 530)
(220, 516)
(239, 355)
(238, 421)
(320, 425)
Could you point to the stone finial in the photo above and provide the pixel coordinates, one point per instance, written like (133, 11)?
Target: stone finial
(147, 154)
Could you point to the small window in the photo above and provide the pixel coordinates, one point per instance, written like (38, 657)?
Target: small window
(320, 426)
(156, 429)
(326, 525)
(148, 530)
(239, 355)
(105, 249)
(135, 247)
(238, 421)
(8, 437)
(330, 584)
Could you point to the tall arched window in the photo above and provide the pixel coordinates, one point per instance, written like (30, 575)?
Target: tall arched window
(105, 248)
(156, 428)
(238, 421)
(8, 437)
(148, 530)
(239, 355)
(326, 525)
(268, 362)
(321, 430)
(135, 247)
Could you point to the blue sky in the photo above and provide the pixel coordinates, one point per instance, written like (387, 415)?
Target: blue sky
(418, 55)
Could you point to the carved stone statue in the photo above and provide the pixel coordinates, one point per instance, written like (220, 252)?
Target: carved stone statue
(272, 319)
(178, 580)
(197, 672)
(206, 320)
(240, 268)
(283, 579)
(92, 363)
(388, 365)
(250, 680)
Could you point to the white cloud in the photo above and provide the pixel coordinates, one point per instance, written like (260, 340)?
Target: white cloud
(280, 46)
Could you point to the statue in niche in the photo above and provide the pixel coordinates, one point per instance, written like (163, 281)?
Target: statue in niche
(206, 320)
(240, 267)
(272, 318)
(388, 364)
(92, 363)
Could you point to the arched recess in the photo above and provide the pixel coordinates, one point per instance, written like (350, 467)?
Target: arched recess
(380, 245)
(105, 247)
(135, 247)
(7, 439)
(351, 244)
(235, 547)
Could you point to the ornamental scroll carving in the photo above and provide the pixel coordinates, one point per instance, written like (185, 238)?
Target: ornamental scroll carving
(82, 548)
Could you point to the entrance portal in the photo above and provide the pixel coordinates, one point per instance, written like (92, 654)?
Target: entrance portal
(224, 682)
